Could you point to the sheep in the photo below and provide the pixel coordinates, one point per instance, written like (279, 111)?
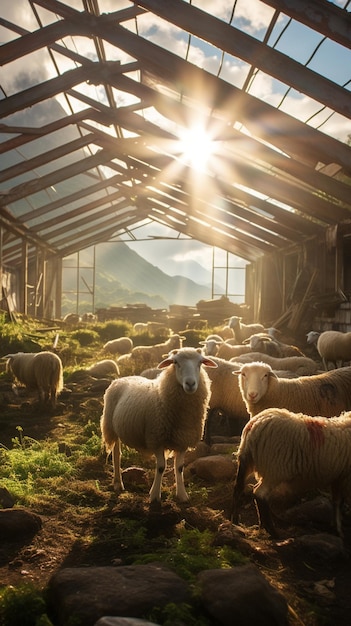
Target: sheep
(260, 343)
(244, 331)
(154, 353)
(89, 318)
(295, 451)
(121, 345)
(158, 416)
(140, 327)
(335, 347)
(228, 351)
(41, 371)
(210, 346)
(264, 342)
(324, 394)
(226, 396)
(301, 365)
(101, 369)
(72, 318)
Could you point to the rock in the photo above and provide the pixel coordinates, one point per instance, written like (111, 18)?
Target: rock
(213, 468)
(16, 524)
(123, 621)
(241, 596)
(6, 499)
(135, 477)
(323, 546)
(86, 594)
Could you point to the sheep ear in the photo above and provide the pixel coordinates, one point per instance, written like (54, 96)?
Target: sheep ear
(236, 372)
(165, 363)
(208, 362)
(273, 375)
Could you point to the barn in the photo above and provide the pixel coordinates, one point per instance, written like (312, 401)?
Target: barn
(94, 105)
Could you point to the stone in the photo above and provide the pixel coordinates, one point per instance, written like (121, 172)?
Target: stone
(242, 595)
(86, 594)
(18, 523)
(213, 468)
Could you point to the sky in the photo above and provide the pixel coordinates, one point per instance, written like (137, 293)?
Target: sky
(251, 16)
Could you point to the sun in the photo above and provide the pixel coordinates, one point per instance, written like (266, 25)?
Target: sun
(196, 146)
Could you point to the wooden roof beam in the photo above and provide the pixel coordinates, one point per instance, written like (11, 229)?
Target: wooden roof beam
(239, 44)
(322, 16)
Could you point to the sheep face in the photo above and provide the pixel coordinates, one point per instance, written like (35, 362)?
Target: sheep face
(312, 336)
(253, 380)
(187, 363)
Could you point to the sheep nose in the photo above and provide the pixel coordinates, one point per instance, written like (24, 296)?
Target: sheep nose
(252, 395)
(190, 386)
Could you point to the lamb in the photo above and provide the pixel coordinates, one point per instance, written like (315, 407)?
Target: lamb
(301, 365)
(324, 394)
(158, 416)
(121, 345)
(243, 331)
(101, 369)
(295, 451)
(41, 371)
(333, 347)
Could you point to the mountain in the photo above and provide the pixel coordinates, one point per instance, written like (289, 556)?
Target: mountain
(144, 281)
(123, 277)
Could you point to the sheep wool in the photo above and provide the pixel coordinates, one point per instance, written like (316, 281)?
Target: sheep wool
(41, 371)
(226, 395)
(121, 345)
(301, 365)
(106, 367)
(243, 331)
(295, 451)
(158, 416)
(334, 347)
(324, 394)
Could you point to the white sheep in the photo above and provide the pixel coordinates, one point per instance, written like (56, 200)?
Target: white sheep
(301, 365)
(333, 347)
(101, 369)
(264, 342)
(158, 416)
(243, 331)
(89, 318)
(41, 371)
(226, 396)
(325, 394)
(153, 354)
(121, 345)
(210, 346)
(297, 452)
(228, 351)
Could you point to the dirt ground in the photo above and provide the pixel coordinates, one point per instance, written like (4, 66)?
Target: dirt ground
(316, 588)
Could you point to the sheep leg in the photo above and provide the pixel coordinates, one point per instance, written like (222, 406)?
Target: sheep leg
(117, 481)
(264, 511)
(181, 493)
(238, 492)
(155, 491)
(337, 518)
